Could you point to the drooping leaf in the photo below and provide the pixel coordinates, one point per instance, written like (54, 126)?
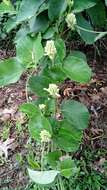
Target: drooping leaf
(43, 177)
(29, 50)
(76, 67)
(80, 6)
(10, 71)
(76, 114)
(86, 31)
(39, 23)
(98, 14)
(28, 9)
(56, 8)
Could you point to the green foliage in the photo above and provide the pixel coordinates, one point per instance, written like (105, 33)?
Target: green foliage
(40, 47)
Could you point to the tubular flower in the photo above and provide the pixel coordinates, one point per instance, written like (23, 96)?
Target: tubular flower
(45, 136)
(53, 90)
(50, 49)
(71, 21)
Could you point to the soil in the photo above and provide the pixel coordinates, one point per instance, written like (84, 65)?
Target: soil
(93, 95)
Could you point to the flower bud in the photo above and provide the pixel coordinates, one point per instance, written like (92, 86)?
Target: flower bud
(50, 49)
(45, 136)
(71, 21)
(53, 90)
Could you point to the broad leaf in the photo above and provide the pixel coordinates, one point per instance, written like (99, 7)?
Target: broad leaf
(39, 23)
(29, 109)
(75, 113)
(68, 168)
(43, 83)
(37, 124)
(6, 8)
(49, 33)
(68, 138)
(43, 177)
(53, 158)
(76, 68)
(28, 9)
(81, 5)
(61, 49)
(86, 31)
(29, 50)
(55, 74)
(56, 8)
(10, 71)
(98, 14)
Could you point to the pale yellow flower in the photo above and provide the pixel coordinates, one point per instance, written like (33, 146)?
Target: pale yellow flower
(71, 21)
(53, 90)
(50, 49)
(42, 106)
(45, 136)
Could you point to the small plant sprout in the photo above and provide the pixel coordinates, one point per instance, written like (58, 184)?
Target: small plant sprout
(71, 21)
(42, 107)
(45, 136)
(50, 49)
(53, 90)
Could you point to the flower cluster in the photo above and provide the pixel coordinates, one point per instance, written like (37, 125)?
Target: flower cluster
(50, 49)
(71, 21)
(45, 136)
(42, 107)
(53, 90)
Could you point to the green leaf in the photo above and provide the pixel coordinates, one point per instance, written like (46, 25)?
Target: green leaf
(29, 109)
(49, 33)
(80, 6)
(21, 33)
(6, 8)
(43, 83)
(28, 9)
(61, 49)
(39, 23)
(106, 2)
(86, 31)
(55, 73)
(29, 50)
(68, 138)
(10, 24)
(43, 177)
(53, 158)
(37, 124)
(56, 8)
(10, 71)
(68, 168)
(75, 113)
(98, 14)
(76, 67)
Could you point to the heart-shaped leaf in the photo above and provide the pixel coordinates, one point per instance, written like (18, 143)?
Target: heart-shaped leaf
(76, 68)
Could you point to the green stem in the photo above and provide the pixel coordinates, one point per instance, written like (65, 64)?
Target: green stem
(61, 183)
(42, 156)
(27, 82)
